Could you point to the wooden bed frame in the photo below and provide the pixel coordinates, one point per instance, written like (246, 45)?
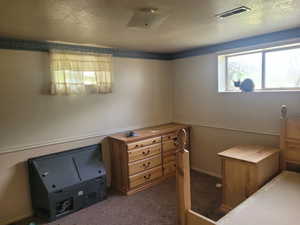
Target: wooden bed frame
(290, 160)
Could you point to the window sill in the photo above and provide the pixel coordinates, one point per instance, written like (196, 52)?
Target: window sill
(296, 91)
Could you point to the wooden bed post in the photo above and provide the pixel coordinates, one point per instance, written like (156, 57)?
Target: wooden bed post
(183, 179)
(185, 214)
(183, 186)
(283, 120)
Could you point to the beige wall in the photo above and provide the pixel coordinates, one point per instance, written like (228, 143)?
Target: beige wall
(146, 92)
(33, 120)
(222, 120)
(29, 116)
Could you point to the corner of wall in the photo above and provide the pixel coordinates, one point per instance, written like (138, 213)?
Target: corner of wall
(172, 73)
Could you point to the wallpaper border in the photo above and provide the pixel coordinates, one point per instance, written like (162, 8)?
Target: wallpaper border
(44, 46)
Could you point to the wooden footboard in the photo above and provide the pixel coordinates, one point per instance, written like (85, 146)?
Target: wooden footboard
(185, 214)
(194, 218)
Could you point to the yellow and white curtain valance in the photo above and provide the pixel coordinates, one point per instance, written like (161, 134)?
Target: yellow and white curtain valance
(76, 73)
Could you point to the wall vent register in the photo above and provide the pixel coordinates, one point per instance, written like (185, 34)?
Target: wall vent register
(233, 12)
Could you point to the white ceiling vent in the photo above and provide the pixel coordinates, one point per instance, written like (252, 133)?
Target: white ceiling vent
(146, 18)
(233, 12)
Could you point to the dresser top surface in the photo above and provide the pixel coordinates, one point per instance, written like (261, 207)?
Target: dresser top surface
(149, 132)
(249, 153)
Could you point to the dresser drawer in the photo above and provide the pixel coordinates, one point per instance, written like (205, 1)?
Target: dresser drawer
(293, 145)
(170, 152)
(169, 158)
(168, 137)
(143, 143)
(143, 153)
(143, 165)
(169, 146)
(169, 168)
(142, 178)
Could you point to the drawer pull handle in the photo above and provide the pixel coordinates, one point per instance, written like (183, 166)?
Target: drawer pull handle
(136, 146)
(146, 165)
(146, 153)
(153, 141)
(147, 176)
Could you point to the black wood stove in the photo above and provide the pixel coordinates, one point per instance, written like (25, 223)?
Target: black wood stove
(65, 182)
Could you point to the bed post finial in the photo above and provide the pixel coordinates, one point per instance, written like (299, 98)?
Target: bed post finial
(283, 111)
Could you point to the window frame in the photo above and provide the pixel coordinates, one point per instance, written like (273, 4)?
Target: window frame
(263, 69)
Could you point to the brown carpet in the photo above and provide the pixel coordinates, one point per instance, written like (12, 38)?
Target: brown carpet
(155, 206)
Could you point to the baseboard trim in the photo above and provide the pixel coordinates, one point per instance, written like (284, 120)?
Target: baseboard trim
(16, 219)
(206, 172)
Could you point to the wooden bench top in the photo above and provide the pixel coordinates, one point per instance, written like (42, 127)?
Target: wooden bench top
(249, 153)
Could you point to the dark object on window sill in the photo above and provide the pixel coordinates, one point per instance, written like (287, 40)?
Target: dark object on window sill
(246, 85)
(237, 83)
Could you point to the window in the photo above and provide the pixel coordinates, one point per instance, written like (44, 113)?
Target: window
(270, 69)
(75, 73)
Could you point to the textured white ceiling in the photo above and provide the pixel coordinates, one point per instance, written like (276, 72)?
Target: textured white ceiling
(190, 23)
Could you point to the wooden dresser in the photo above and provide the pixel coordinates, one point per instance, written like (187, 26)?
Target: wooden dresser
(142, 161)
(245, 169)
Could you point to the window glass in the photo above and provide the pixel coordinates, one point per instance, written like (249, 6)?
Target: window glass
(89, 77)
(283, 69)
(241, 67)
